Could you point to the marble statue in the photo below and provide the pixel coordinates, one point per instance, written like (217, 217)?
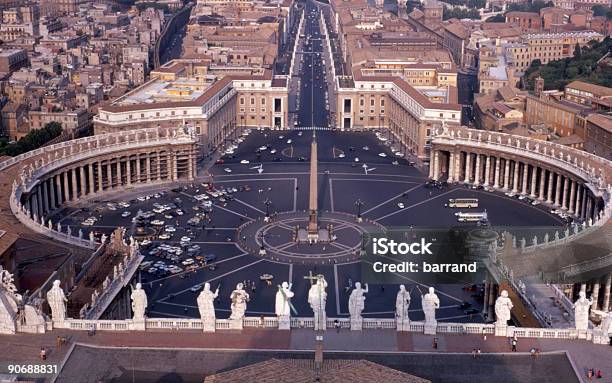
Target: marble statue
(57, 301)
(317, 298)
(356, 302)
(503, 305)
(139, 302)
(581, 311)
(606, 326)
(206, 302)
(239, 300)
(402, 303)
(282, 305)
(91, 236)
(430, 302)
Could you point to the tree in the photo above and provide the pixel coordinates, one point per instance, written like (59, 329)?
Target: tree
(33, 140)
(577, 51)
(600, 10)
(496, 19)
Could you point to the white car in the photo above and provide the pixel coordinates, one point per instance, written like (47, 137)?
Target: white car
(272, 151)
(164, 236)
(300, 133)
(264, 147)
(341, 155)
(227, 170)
(366, 148)
(244, 162)
(289, 141)
(126, 214)
(157, 222)
(281, 137)
(170, 229)
(356, 159)
(399, 154)
(534, 203)
(185, 239)
(382, 155)
(400, 205)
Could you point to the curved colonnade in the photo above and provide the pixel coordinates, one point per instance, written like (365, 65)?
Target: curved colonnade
(573, 181)
(51, 176)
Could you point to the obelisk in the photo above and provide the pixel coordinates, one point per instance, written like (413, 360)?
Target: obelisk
(313, 221)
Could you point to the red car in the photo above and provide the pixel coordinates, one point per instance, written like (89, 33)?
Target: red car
(219, 161)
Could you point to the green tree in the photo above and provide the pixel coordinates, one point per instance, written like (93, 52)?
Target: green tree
(496, 19)
(33, 140)
(600, 10)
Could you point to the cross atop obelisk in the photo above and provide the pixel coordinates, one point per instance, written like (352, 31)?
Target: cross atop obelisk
(313, 221)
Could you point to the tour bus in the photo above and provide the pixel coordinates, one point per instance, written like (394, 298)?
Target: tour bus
(471, 217)
(462, 202)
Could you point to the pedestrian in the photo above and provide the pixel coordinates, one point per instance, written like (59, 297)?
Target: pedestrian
(435, 343)
(478, 352)
(474, 353)
(58, 342)
(337, 325)
(590, 374)
(484, 336)
(514, 345)
(533, 352)
(43, 354)
(599, 374)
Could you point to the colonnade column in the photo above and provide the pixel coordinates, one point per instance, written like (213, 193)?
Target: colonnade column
(595, 295)
(457, 165)
(100, 185)
(477, 174)
(607, 286)
(91, 178)
(516, 177)
(192, 160)
(436, 164)
(148, 167)
(534, 181)
(497, 170)
(487, 171)
(525, 177)
(431, 165)
(468, 167)
(542, 184)
(119, 177)
(451, 166)
(578, 209)
(58, 187)
(558, 188)
(66, 186)
(158, 166)
(137, 178)
(551, 176)
(109, 174)
(82, 179)
(74, 183)
(128, 170)
(507, 175)
(566, 182)
(572, 201)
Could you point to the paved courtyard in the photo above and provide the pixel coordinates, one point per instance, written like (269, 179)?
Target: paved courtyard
(281, 190)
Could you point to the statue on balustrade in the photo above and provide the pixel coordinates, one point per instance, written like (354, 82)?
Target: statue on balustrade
(503, 305)
(581, 311)
(282, 305)
(57, 301)
(239, 300)
(356, 302)
(317, 298)
(430, 302)
(606, 325)
(402, 303)
(206, 302)
(139, 303)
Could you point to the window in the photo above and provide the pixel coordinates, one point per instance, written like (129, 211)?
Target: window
(372, 101)
(241, 100)
(263, 101)
(252, 100)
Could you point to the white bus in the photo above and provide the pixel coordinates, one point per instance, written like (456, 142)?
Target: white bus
(471, 217)
(463, 202)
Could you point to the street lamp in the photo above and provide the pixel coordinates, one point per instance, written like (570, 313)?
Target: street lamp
(262, 249)
(267, 202)
(359, 203)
